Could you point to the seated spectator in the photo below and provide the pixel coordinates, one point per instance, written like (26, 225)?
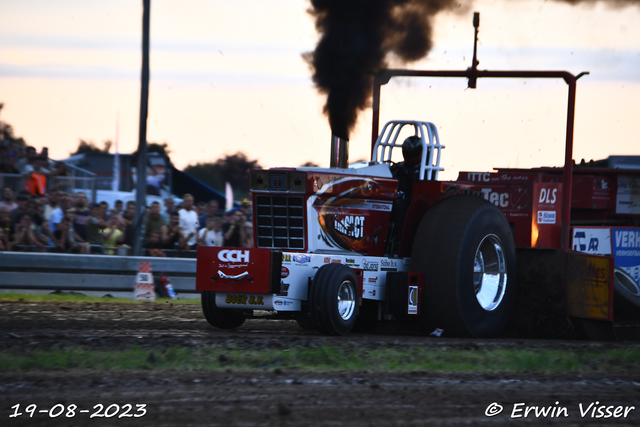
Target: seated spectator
(211, 235)
(212, 210)
(104, 209)
(16, 213)
(166, 213)
(117, 208)
(51, 204)
(246, 209)
(34, 207)
(201, 210)
(5, 243)
(248, 235)
(5, 221)
(75, 237)
(82, 213)
(129, 217)
(189, 221)
(172, 237)
(153, 222)
(8, 198)
(113, 235)
(234, 232)
(94, 226)
(64, 241)
(64, 204)
(26, 236)
(154, 245)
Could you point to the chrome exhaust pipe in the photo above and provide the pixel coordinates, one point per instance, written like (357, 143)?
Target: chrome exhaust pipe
(339, 152)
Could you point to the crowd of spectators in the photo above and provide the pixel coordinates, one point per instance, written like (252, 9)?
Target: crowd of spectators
(34, 172)
(39, 211)
(59, 221)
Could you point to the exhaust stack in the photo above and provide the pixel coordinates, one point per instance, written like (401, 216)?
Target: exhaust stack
(339, 152)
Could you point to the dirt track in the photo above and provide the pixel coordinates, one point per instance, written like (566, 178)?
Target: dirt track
(277, 396)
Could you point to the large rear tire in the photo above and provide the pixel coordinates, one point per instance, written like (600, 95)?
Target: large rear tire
(222, 318)
(333, 299)
(464, 247)
(626, 295)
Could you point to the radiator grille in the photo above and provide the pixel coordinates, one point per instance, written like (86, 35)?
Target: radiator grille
(280, 222)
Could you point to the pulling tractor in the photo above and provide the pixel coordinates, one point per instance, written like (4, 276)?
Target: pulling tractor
(386, 241)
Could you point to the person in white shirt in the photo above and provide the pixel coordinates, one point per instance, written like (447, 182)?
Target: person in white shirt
(189, 221)
(64, 203)
(211, 235)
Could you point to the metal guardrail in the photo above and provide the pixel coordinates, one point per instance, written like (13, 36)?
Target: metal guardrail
(107, 273)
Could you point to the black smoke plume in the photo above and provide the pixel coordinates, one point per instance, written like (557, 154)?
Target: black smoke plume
(356, 37)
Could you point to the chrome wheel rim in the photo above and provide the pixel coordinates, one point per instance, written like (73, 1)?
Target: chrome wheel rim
(346, 300)
(490, 273)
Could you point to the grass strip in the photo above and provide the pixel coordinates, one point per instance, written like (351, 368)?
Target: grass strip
(78, 297)
(329, 358)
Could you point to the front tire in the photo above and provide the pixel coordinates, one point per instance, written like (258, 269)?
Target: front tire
(464, 247)
(222, 318)
(334, 299)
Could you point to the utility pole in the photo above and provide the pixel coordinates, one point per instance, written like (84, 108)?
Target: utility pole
(141, 187)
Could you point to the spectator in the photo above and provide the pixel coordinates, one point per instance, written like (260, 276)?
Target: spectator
(16, 213)
(154, 221)
(71, 213)
(104, 208)
(117, 208)
(154, 245)
(60, 212)
(4, 153)
(8, 165)
(212, 210)
(32, 209)
(5, 221)
(113, 235)
(82, 213)
(35, 176)
(51, 204)
(234, 231)
(94, 226)
(172, 237)
(189, 221)
(201, 210)
(5, 243)
(60, 177)
(27, 160)
(128, 217)
(64, 241)
(248, 235)
(8, 198)
(169, 204)
(246, 209)
(26, 234)
(211, 235)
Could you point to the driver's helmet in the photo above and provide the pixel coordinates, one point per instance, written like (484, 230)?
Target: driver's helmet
(412, 150)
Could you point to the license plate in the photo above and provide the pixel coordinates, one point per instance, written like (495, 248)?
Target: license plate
(244, 301)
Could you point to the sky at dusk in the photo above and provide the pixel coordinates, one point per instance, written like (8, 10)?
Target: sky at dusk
(229, 76)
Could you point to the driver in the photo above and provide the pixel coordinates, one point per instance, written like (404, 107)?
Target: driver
(409, 169)
(406, 172)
